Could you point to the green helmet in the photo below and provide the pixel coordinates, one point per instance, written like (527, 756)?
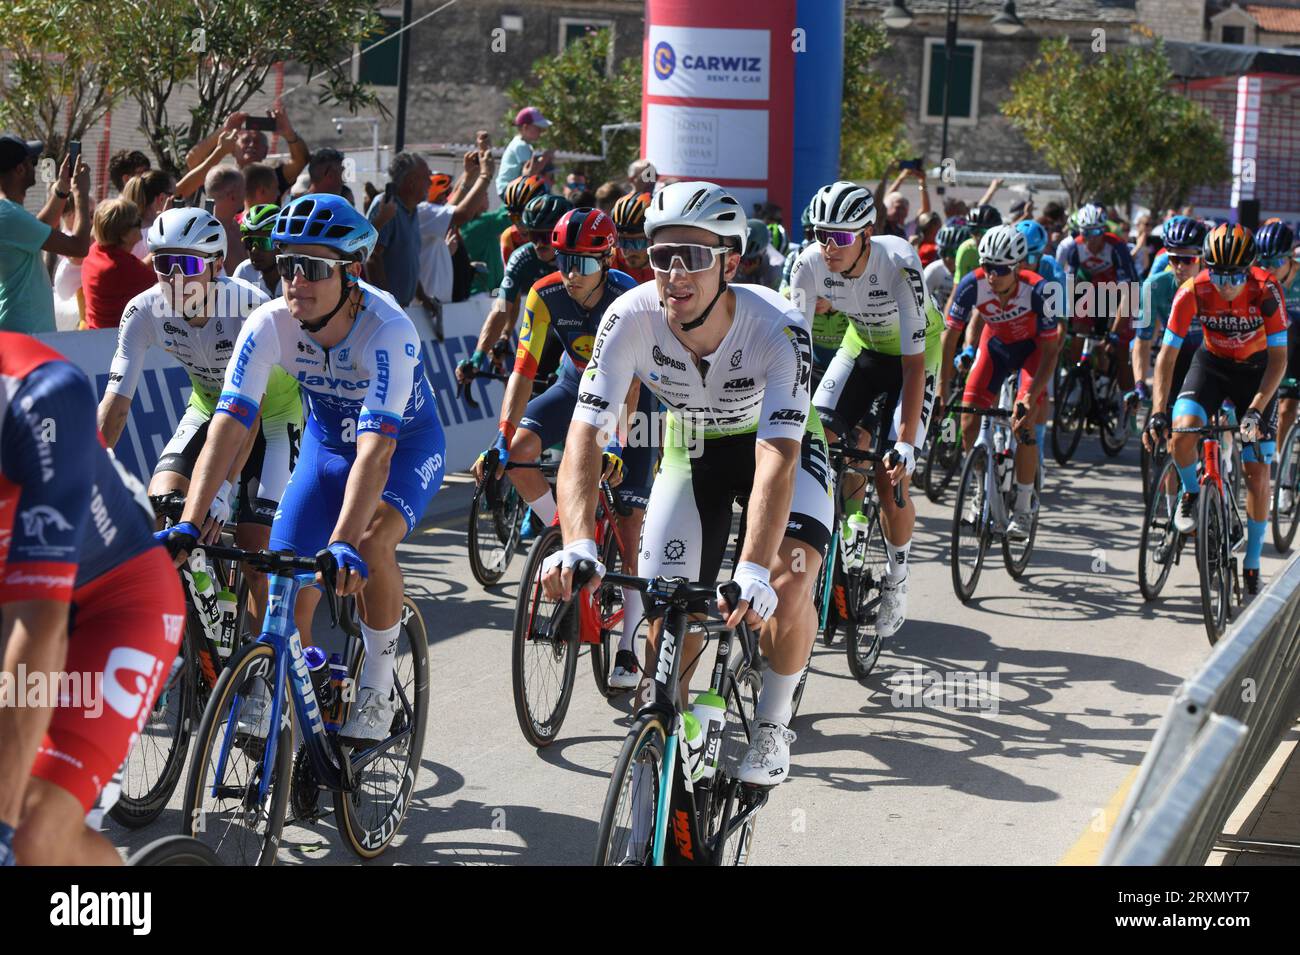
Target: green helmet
(806, 219)
(758, 239)
(779, 240)
(542, 212)
(258, 219)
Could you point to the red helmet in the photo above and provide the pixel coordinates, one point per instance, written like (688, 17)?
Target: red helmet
(584, 232)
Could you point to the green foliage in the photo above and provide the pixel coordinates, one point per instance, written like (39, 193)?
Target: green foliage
(574, 92)
(61, 73)
(872, 110)
(1110, 125)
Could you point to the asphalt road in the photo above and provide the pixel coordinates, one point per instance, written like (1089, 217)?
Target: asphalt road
(1077, 669)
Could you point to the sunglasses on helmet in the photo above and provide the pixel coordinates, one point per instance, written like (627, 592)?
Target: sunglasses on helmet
(839, 237)
(1228, 278)
(572, 262)
(165, 263)
(693, 258)
(313, 269)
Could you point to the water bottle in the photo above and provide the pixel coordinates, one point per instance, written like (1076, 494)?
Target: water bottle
(227, 604)
(693, 739)
(710, 712)
(204, 595)
(319, 669)
(1005, 472)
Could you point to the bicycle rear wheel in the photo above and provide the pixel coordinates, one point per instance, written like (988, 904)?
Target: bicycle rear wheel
(1113, 411)
(1069, 414)
(1212, 561)
(626, 830)
(227, 814)
(174, 850)
(1159, 538)
(542, 666)
(945, 458)
(495, 517)
(608, 601)
(369, 816)
(1286, 491)
(1016, 554)
(970, 531)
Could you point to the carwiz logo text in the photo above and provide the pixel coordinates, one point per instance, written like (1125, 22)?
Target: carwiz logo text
(665, 62)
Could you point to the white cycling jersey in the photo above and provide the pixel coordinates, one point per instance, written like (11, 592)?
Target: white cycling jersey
(886, 303)
(757, 380)
(373, 380)
(939, 282)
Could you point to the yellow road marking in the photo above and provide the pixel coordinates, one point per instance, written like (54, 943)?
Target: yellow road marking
(1087, 850)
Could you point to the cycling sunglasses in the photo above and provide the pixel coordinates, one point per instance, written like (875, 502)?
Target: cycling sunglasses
(998, 270)
(540, 237)
(1272, 262)
(1228, 278)
(262, 242)
(313, 269)
(1093, 232)
(693, 258)
(634, 244)
(837, 236)
(165, 263)
(572, 262)
(1183, 259)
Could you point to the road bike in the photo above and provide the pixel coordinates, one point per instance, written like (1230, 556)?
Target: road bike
(1088, 398)
(244, 774)
(943, 455)
(496, 519)
(1286, 492)
(174, 850)
(666, 805)
(545, 647)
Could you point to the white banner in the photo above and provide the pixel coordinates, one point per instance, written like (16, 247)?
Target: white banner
(704, 63)
(164, 387)
(694, 142)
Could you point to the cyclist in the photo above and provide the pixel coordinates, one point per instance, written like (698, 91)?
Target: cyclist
(629, 219)
(939, 273)
(980, 219)
(732, 364)
(756, 268)
(373, 451)
(1242, 357)
(891, 349)
(1183, 238)
(517, 195)
(1020, 336)
(792, 254)
(569, 305)
(530, 262)
(196, 317)
(1102, 259)
(85, 592)
(1274, 248)
(258, 270)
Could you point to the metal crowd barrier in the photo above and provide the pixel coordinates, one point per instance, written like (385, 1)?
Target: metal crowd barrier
(1224, 723)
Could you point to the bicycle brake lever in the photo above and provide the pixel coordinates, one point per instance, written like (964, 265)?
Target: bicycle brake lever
(329, 576)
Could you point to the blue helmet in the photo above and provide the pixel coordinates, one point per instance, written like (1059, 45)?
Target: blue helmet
(328, 220)
(1183, 232)
(1035, 236)
(1274, 238)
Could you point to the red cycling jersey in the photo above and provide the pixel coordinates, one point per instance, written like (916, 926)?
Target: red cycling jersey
(1248, 325)
(1023, 317)
(646, 274)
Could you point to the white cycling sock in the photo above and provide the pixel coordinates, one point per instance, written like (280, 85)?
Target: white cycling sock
(631, 617)
(776, 699)
(544, 507)
(381, 657)
(896, 560)
(1024, 496)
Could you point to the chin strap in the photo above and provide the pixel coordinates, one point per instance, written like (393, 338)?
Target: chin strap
(845, 273)
(313, 327)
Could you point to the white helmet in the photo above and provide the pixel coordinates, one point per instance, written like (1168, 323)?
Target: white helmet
(1003, 245)
(1092, 216)
(187, 230)
(701, 205)
(843, 205)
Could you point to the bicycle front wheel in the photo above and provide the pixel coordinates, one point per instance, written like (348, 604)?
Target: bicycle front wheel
(1069, 414)
(1159, 538)
(175, 850)
(1212, 561)
(970, 527)
(1016, 554)
(542, 665)
(945, 458)
(1286, 493)
(369, 816)
(609, 601)
(862, 642)
(1113, 411)
(495, 517)
(627, 821)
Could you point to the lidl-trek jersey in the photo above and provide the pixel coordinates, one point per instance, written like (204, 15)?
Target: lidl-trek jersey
(551, 310)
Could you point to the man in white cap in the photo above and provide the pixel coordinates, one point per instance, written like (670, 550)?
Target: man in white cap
(531, 124)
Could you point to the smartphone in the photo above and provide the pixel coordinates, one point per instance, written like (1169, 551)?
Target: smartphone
(264, 123)
(910, 163)
(74, 152)
(210, 205)
(389, 191)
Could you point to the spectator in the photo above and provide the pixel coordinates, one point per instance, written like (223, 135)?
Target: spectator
(225, 187)
(642, 176)
(531, 124)
(126, 165)
(952, 208)
(151, 193)
(69, 304)
(26, 298)
(927, 227)
(436, 220)
(395, 264)
(608, 194)
(575, 187)
(1020, 209)
(190, 186)
(261, 188)
(325, 173)
(111, 274)
(896, 205)
(250, 146)
(584, 200)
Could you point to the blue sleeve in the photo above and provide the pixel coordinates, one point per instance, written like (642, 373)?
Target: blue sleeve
(1172, 339)
(1038, 302)
(1125, 270)
(963, 301)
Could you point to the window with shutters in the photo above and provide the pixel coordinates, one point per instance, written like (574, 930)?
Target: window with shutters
(964, 73)
(378, 67)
